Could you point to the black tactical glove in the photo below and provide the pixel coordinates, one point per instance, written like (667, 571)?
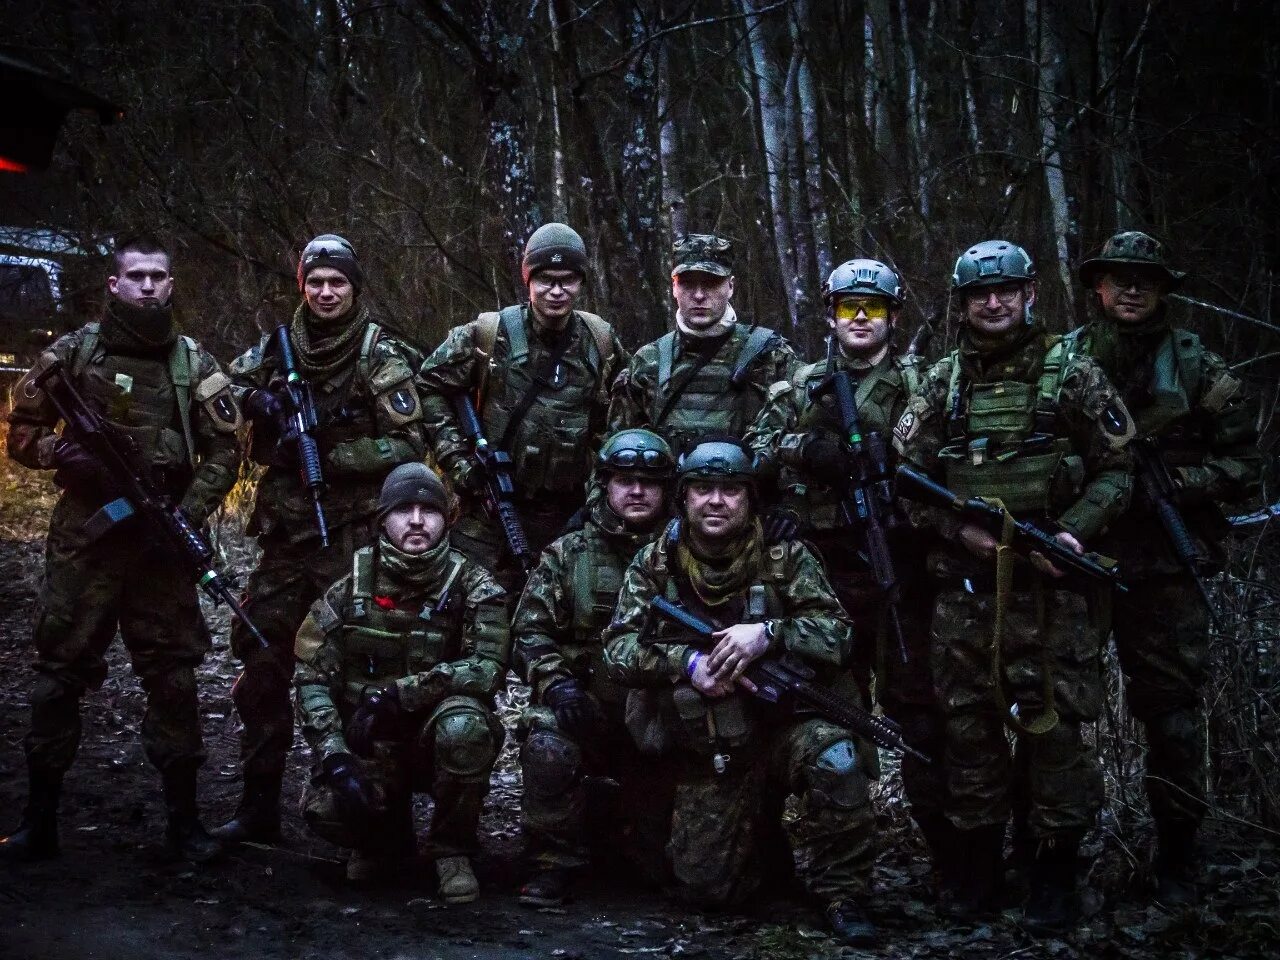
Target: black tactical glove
(378, 717)
(77, 468)
(354, 795)
(781, 524)
(825, 458)
(576, 710)
(264, 405)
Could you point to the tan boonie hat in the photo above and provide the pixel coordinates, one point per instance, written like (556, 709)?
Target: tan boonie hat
(704, 252)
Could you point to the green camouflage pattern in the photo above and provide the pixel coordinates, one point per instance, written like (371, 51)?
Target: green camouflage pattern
(703, 252)
(1131, 248)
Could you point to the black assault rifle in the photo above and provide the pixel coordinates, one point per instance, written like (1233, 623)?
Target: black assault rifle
(118, 457)
(1160, 489)
(1027, 537)
(776, 680)
(868, 499)
(500, 488)
(302, 422)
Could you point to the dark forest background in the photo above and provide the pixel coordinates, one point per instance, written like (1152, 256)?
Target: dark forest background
(437, 135)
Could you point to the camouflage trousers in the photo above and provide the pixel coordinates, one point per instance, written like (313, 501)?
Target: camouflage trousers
(1063, 782)
(566, 812)
(904, 690)
(1162, 638)
(480, 539)
(291, 575)
(125, 581)
(722, 826)
(449, 757)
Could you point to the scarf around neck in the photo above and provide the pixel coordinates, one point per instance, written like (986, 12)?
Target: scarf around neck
(719, 577)
(717, 329)
(408, 574)
(324, 347)
(137, 330)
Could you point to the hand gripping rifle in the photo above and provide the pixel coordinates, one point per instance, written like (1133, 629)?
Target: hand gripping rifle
(778, 679)
(302, 422)
(1027, 537)
(117, 455)
(868, 501)
(500, 488)
(1160, 489)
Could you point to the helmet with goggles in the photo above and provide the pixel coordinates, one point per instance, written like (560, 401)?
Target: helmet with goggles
(636, 451)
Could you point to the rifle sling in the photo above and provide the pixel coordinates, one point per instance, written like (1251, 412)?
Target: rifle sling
(537, 385)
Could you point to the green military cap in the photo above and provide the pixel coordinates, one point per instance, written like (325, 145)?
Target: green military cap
(705, 252)
(1133, 249)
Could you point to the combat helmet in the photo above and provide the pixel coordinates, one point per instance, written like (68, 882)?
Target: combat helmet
(716, 460)
(1133, 249)
(862, 276)
(991, 262)
(636, 451)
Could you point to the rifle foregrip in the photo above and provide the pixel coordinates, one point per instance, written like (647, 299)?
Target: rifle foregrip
(513, 530)
(309, 462)
(1184, 545)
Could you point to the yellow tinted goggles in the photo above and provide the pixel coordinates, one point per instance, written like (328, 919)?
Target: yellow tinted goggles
(873, 308)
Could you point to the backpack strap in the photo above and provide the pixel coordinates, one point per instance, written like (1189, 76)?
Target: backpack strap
(1189, 353)
(756, 343)
(909, 370)
(181, 359)
(1049, 386)
(956, 428)
(512, 319)
(666, 358)
(602, 334)
(86, 348)
(361, 582)
(365, 362)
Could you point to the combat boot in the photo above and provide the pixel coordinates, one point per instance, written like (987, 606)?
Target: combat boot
(971, 873)
(1176, 866)
(850, 923)
(186, 836)
(364, 867)
(1053, 903)
(257, 819)
(938, 835)
(457, 883)
(546, 888)
(37, 836)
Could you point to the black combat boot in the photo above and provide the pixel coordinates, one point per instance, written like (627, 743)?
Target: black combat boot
(938, 836)
(257, 819)
(1053, 902)
(185, 836)
(1176, 865)
(547, 888)
(37, 836)
(850, 923)
(971, 873)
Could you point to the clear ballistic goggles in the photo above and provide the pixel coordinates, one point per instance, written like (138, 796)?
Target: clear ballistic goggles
(1006, 293)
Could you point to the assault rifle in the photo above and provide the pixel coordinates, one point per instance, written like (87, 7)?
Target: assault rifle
(1160, 489)
(868, 501)
(302, 423)
(500, 488)
(118, 457)
(1027, 537)
(777, 679)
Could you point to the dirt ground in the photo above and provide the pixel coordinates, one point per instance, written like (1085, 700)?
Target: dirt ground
(113, 895)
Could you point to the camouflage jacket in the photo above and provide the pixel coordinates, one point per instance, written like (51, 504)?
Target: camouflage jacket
(1055, 430)
(683, 387)
(790, 417)
(568, 601)
(563, 386)
(370, 422)
(376, 636)
(180, 413)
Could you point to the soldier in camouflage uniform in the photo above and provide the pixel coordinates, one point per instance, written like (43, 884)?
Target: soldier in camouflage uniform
(740, 758)
(168, 395)
(398, 663)
(1011, 415)
(575, 727)
(712, 373)
(369, 421)
(1204, 424)
(540, 375)
(799, 439)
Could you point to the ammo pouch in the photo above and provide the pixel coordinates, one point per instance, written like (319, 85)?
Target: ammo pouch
(551, 457)
(706, 726)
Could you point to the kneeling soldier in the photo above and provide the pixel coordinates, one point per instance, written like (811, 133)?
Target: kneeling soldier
(739, 757)
(398, 665)
(575, 726)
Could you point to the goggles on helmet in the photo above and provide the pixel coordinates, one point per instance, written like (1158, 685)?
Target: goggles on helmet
(873, 308)
(655, 460)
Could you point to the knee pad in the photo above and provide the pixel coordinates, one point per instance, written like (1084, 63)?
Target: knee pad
(835, 779)
(465, 747)
(549, 763)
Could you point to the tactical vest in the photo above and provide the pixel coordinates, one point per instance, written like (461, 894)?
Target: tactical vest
(381, 646)
(544, 419)
(145, 398)
(596, 580)
(722, 397)
(1005, 442)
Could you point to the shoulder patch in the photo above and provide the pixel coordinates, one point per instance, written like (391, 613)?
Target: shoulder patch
(1116, 423)
(219, 403)
(909, 423)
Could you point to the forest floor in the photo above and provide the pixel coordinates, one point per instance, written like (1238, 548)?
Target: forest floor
(113, 894)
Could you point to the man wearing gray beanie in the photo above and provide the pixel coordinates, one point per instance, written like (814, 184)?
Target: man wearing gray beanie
(540, 374)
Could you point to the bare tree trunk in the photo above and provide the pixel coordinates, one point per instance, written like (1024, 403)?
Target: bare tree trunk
(559, 198)
(915, 114)
(673, 204)
(811, 148)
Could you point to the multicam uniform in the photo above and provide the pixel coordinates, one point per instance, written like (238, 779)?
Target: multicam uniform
(1043, 433)
(435, 627)
(369, 421)
(542, 399)
(175, 404)
(716, 842)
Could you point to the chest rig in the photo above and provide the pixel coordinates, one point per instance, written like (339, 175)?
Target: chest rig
(384, 642)
(699, 395)
(146, 398)
(537, 402)
(1005, 438)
